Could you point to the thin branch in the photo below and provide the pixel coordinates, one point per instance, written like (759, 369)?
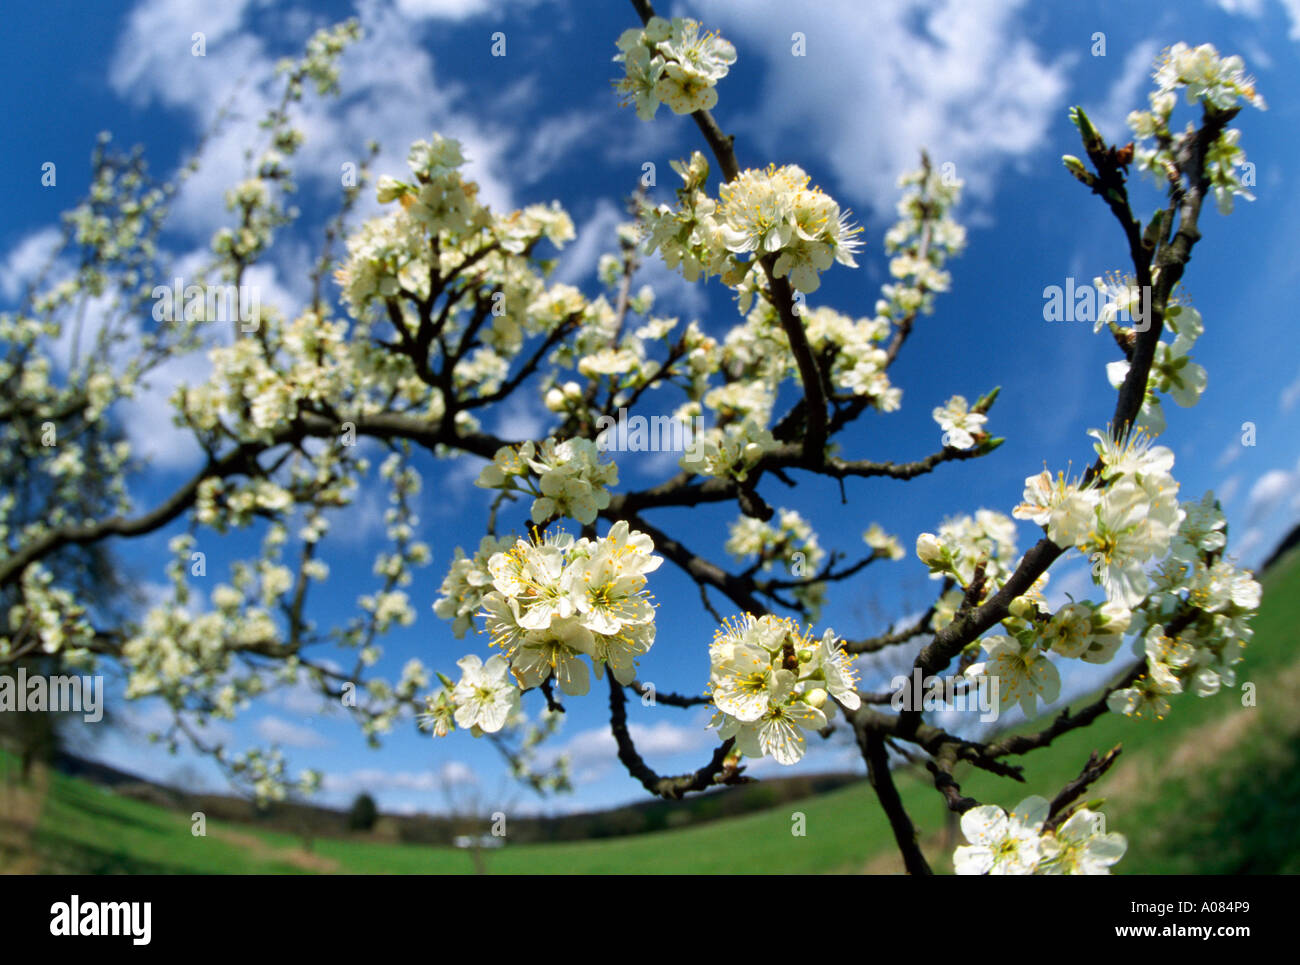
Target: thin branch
(671, 788)
(882, 782)
(1092, 772)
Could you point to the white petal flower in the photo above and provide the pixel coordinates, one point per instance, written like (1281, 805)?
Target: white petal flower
(485, 697)
(1001, 844)
(1024, 673)
(958, 423)
(1080, 847)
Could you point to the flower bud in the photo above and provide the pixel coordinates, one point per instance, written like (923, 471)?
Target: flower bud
(1023, 607)
(815, 698)
(929, 549)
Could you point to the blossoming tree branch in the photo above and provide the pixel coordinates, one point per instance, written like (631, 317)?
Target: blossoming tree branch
(446, 311)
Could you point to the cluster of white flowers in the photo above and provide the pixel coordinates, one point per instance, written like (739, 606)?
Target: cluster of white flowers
(385, 256)
(571, 479)
(1172, 370)
(760, 213)
(1120, 526)
(1206, 77)
(1121, 297)
(729, 452)
(320, 63)
(702, 236)
(921, 241)
(689, 237)
(255, 392)
(484, 700)
(963, 542)
(50, 616)
(885, 544)
(467, 582)
(775, 211)
(1023, 671)
(177, 651)
(551, 602)
(1156, 559)
(792, 542)
(391, 253)
(435, 229)
(1219, 84)
(859, 361)
(780, 543)
(672, 62)
(1202, 655)
(265, 774)
(1086, 631)
(770, 682)
(1017, 844)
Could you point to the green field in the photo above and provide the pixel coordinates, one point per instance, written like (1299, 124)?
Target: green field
(1212, 790)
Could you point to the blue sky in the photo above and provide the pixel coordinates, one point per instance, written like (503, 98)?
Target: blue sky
(982, 85)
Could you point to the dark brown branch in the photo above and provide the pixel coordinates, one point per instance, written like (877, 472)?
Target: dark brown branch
(1064, 722)
(738, 590)
(947, 785)
(1092, 771)
(671, 788)
(882, 782)
(667, 699)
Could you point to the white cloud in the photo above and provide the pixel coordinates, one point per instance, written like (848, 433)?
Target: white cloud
(302, 698)
(1255, 9)
(457, 772)
(598, 235)
(1228, 489)
(521, 416)
(1072, 582)
(595, 236)
(1229, 454)
(149, 716)
(592, 753)
(26, 260)
(375, 780)
(453, 9)
(277, 730)
(878, 83)
(363, 519)
(1267, 494)
(1250, 545)
(548, 143)
(1290, 396)
(160, 34)
(391, 95)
